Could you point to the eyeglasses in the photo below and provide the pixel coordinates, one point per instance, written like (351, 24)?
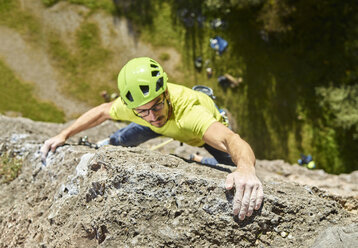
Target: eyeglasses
(145, 112)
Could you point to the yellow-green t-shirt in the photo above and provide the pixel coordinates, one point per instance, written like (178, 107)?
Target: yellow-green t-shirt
(193, 113)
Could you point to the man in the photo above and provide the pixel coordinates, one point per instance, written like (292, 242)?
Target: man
(156, 108)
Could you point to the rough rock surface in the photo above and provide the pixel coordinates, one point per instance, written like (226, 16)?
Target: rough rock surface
(134, 197)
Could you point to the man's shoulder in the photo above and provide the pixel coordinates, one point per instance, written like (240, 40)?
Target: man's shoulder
(178, 91)
(119, 110)
(172, 86)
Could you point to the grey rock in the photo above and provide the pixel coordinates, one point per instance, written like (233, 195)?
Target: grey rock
(134, 197)
(338, 237)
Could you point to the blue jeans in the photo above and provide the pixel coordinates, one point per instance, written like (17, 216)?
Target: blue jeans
(132, 135)
(135, 134)
(219, 157)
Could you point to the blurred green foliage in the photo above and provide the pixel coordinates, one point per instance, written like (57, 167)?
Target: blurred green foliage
(92, 4)
(298, 61)
(341, 106)
(81, 64)
(18, 97)
(164, 56)
(49, 3)
(10, 167)
(13, 16)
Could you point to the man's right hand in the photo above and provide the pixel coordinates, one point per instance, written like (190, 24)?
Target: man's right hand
(52, 144)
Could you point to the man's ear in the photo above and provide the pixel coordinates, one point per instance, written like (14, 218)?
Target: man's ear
(167, 96)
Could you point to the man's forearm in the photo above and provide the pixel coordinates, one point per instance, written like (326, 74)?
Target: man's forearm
(223, 139)
(91, 118)
(240, 151)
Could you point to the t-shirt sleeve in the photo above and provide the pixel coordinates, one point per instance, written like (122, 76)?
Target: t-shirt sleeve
(115, 109)
(119, 111)
(197, 119)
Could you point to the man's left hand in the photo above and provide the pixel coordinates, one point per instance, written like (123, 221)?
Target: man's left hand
(249, 191)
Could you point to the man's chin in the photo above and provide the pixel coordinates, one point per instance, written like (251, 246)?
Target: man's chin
(158, 123)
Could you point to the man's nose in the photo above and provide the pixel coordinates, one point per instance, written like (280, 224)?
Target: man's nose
(152, 114)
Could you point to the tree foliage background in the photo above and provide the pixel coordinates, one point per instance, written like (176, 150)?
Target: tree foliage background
(299, 63)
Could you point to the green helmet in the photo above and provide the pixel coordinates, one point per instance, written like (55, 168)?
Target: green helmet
(140, 81)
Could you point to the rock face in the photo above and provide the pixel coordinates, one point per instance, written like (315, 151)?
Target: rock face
(134, 197)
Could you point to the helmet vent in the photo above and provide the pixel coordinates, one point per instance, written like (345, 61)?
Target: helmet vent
(153, 65)
(144, 89)
(155, 73)
(159, 84)
(129, 97)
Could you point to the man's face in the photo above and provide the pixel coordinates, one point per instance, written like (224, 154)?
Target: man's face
(155, 112)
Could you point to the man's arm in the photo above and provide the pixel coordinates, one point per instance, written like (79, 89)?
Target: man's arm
(249, 191)
(91, 118)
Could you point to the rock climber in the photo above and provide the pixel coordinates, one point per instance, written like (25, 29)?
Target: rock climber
(156, 107)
